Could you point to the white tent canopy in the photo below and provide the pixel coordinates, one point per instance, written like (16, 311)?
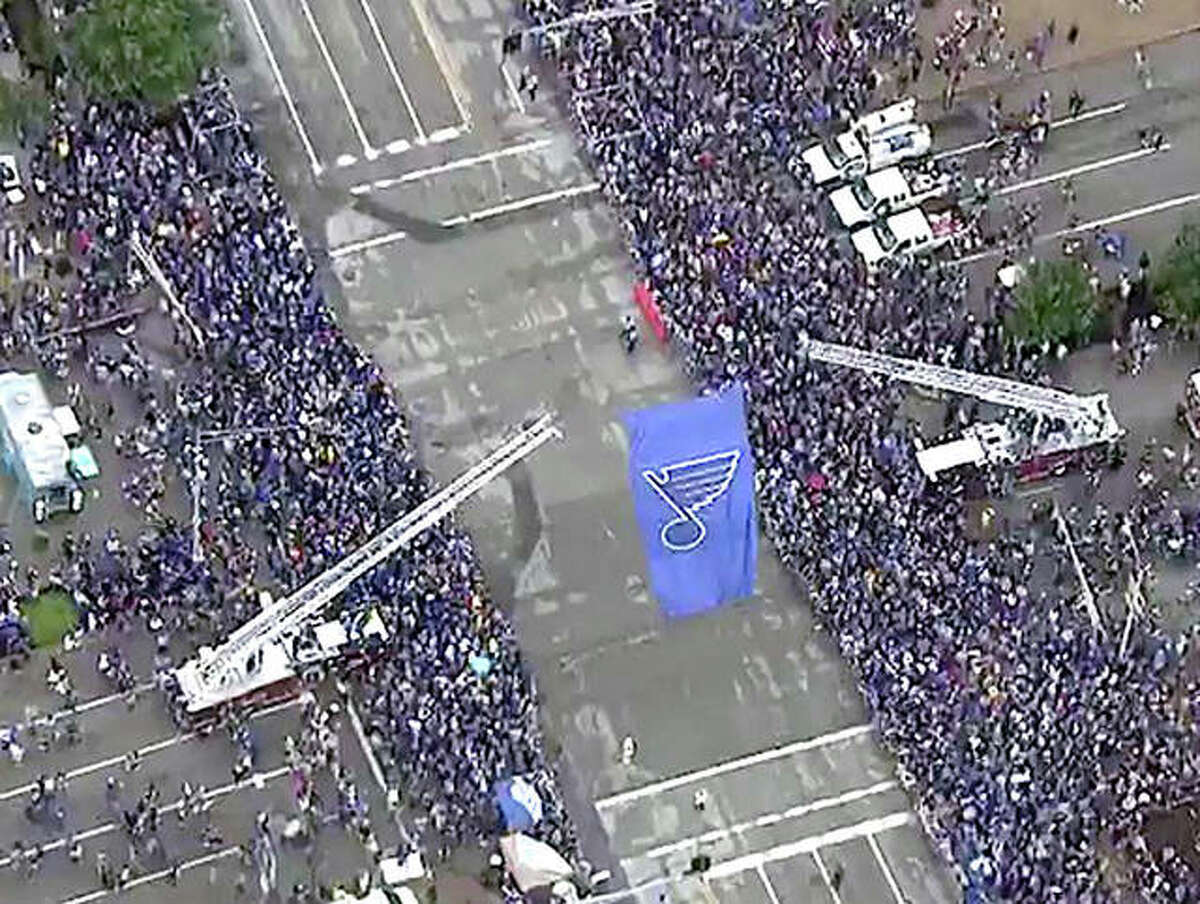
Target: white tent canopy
(533, 863)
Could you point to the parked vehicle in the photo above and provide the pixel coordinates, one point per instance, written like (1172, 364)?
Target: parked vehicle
(880, 194)
(10, 180)
(910, 233)
(852, 154)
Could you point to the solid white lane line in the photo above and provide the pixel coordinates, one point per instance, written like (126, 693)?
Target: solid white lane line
(368, 151)
(811, 844)
(766, 881)
(770, 819)
(1095, 113)
(754, 759)
(833, 892)
(886, 869)
(513, 93)
(1133, 214)
(254, 780)
(391, 65)
(476, 216)
(488, 213)
(1147, 210)
(367, 244)
(288, 102)
(462, 163)
(144, 751)
(439, 57)
(154, 877)
(368, 751)
(1080, 170)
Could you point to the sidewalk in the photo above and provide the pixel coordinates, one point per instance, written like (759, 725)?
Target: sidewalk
(1106, 30)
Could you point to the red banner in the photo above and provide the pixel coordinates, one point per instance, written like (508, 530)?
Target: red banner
(644, 299)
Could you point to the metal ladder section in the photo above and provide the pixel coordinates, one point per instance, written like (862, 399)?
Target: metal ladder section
(1043, 400)
(288, 613)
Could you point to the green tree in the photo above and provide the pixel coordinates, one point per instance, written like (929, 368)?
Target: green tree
(1054, 304)
(1177, 286)
(146, 50)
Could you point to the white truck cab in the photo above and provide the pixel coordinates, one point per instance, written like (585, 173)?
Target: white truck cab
(881, 193)
(906, 234)
(851, 154)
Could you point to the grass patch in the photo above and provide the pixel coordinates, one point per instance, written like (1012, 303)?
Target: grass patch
(50, 614)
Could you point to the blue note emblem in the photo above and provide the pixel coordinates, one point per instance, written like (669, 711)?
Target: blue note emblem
(687, 487)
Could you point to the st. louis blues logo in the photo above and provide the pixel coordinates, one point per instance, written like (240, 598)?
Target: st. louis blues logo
(687, 487)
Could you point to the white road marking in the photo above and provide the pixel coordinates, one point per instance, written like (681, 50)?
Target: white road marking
(811, 844)
(1095, 113)
(283, 89)
(449, 133)
(462, 163)
(499, 210)
(255, 780)
(368, 751)
(833, 892)
(1080, 170)
(367, 244)
(1133, 214)
(368, 151)
(770, 819)
(474, 217)
(762, 858)
(886, 869)
(439, 57)
(766, 881)
(87, 706)
(391, 65)
(144, 751)
(154, 877)
(513, 93)
(345, 160)
(763, 756)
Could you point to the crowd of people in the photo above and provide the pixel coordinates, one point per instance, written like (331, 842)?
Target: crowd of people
(1035, 747)
(315, 459)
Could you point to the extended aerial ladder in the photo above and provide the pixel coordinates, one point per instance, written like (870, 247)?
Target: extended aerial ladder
(1081, 421)
(253, 656)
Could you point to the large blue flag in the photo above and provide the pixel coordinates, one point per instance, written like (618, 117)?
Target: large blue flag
(692, 477)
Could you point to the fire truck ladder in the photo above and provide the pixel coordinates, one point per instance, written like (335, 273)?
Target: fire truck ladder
(221, 669)
(1089, 413)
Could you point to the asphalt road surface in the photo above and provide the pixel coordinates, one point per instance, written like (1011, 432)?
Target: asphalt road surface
(488, 280)
(468, 250)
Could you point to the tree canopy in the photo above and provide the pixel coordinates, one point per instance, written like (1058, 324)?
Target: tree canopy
(1177, 287)
(1054, 304)
(146, 50)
